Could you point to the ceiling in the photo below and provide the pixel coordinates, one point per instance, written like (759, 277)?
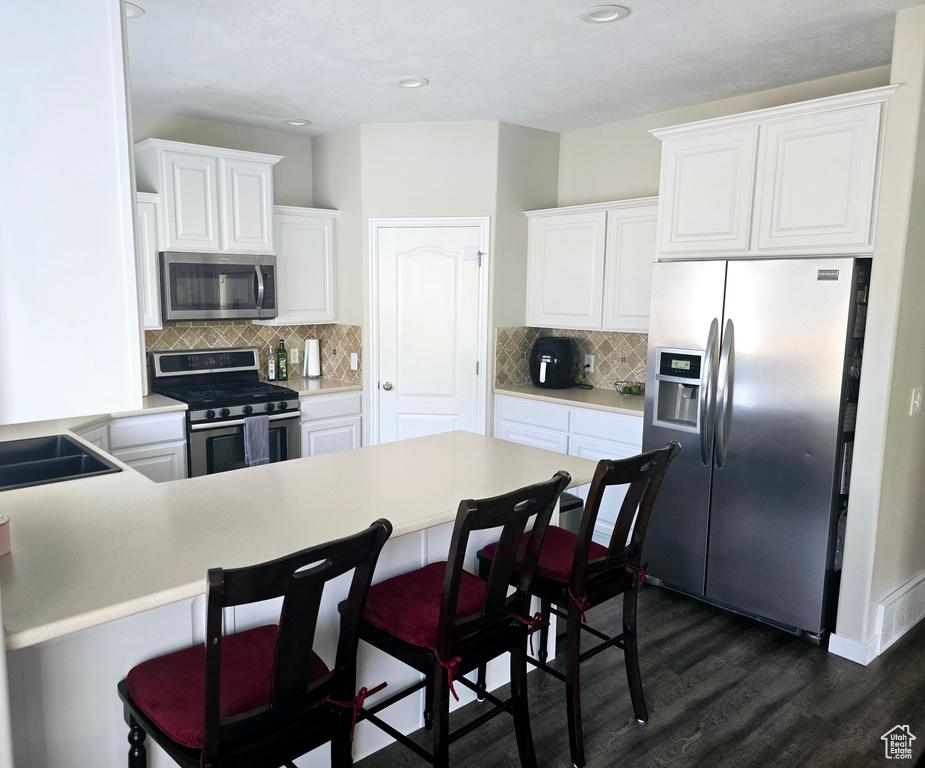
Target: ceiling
(530, 62)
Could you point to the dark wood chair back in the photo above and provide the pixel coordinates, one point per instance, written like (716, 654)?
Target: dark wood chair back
(300, 580)
(643, 475)
(511, 512)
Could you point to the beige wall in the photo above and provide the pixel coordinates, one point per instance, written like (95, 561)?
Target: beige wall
(528, 162)
(292, 176)
(618, 161)
(885, 541)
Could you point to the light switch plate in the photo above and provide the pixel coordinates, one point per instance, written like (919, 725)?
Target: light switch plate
(589, 363)
(916, 405)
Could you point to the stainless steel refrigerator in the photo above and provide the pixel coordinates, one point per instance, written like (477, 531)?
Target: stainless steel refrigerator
(753, 367)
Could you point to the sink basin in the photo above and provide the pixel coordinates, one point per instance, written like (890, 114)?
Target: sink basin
(41, 460)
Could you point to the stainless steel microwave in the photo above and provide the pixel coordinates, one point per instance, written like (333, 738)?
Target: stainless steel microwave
(217, 286)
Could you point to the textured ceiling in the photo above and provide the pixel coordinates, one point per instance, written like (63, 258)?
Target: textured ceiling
(531, 62)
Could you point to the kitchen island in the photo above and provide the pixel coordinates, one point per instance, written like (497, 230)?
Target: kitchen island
(108, 571)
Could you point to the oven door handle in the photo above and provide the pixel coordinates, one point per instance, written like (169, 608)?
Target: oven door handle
(239, 422)
(259, 287)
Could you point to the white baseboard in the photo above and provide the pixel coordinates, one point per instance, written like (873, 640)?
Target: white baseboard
(860, 653)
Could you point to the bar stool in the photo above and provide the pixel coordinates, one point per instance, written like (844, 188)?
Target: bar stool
(444, 621)
(575, 573)
(262, 697)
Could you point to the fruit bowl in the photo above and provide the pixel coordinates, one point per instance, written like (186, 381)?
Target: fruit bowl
(630, 387)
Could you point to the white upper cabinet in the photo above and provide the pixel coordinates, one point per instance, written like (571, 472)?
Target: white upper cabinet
(146, 260)
(800, 179)
(305, 264)
(212, 199)
(565, 269)
(590, 266)
(706, 191)
(816, 180)
(629, 255)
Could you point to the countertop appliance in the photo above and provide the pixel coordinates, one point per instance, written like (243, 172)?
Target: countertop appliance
(222, 388)
(753, 365)
(552, 362)
(217, 286)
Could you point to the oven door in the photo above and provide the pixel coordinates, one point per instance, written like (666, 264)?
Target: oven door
(217, 286)
(220, 447)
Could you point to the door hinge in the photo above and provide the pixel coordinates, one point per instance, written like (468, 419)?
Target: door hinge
(476, 367)
(481, 254)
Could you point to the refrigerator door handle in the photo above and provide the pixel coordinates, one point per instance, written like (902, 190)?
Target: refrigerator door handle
(708, 394)
(724, 394)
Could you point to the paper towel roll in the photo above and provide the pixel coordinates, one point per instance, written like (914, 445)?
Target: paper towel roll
(312, 363)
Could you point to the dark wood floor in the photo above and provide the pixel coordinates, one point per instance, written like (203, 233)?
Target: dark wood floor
(723, 691)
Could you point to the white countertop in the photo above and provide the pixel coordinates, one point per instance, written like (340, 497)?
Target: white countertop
(96, 549)
(320, 386)
(599, 398)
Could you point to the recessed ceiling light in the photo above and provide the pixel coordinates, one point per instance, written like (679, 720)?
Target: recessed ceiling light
(298, 121)
(133, 11)
(411, 81)
(601, 14)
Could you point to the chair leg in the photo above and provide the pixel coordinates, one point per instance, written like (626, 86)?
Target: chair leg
(573, 685)
(341, 746)
(480, 683)
(440, 707)
(521, 709)
(138, 752)
(544, 630)
(631, 655)
(429, 703)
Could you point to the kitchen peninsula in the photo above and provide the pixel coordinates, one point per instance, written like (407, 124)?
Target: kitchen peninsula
(103, 578)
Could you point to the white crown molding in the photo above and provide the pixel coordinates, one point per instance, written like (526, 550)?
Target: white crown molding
(149, 145)
(825, 104)
(614, 205)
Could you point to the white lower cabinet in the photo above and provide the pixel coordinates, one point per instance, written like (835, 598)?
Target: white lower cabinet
(584, 432)
(161, 462)
(96, 434)
(330, 423)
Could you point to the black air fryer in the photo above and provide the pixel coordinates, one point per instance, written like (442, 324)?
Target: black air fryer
(552, 362)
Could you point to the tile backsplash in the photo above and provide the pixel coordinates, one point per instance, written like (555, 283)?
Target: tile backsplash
(337, 342)
(617, 356)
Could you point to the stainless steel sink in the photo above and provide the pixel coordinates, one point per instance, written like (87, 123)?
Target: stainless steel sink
(53, 459)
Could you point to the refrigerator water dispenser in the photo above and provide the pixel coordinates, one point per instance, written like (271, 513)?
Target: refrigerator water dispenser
(677, 389)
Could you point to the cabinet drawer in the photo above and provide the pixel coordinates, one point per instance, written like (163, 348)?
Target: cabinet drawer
(330, 406)
(538, 438)
(160, 463)
(533, 413)
(144, 430)
(612, 427)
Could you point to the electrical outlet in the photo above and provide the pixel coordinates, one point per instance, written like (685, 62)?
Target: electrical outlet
(354, 361)
(589, 363)
(333, 351)
(294, 355)
(916, 405)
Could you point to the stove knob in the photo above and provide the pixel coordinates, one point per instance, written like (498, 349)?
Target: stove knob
(270, 407)
(224, 413)
(247, 409)
(281, 407)
(210, 414)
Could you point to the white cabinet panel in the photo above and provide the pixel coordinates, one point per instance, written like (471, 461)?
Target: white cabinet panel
(706, 191)
(630, 253)
(316, 407)
(305, 263)
(191, 202)
(532, 412)
(144, 430)
(535, 436)
(816, 181)
(247, 206)
(146, 262)
(161, 462)
(565, 270)
(96, 434)
(320, 437)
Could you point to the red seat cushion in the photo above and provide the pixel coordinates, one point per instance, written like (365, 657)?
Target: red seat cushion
(556, 554)
(408, 606)
(171, 689)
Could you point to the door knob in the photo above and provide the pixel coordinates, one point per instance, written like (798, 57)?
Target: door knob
(387, 386)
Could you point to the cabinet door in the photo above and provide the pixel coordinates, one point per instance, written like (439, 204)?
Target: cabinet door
(816, 180)
(320, 437)
(565, 270)
(706, 191)
(97, 434)
(147, 265)
(629, 256)
(305, 265)
(161, 462)
(247, 206)
(191, 202)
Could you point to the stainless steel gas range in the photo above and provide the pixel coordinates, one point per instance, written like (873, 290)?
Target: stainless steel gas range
(223, 389)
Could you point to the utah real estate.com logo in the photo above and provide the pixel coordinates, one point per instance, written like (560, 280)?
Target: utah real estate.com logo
(898, 743)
